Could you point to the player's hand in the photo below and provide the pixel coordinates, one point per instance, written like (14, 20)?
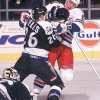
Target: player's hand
(68, 25)
(24, 18)
(61, 28)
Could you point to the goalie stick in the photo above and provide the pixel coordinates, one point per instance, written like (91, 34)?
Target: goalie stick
(87, 58)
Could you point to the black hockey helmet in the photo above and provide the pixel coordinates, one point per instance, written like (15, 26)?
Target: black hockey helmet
(37, 11)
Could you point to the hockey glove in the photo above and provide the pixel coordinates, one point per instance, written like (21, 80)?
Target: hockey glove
(59, 13)
(61, 28)
(23, 19)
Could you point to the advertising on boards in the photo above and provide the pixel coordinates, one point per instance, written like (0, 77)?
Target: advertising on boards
(91, 35)
(12, 38)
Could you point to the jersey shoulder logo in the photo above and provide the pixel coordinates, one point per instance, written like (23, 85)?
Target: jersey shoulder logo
(49, 30)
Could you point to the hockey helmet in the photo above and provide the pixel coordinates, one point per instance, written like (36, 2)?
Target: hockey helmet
(77, 2)
(11, 73)
(37, 11)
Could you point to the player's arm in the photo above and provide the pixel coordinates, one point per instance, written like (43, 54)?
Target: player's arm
(75, 21)
(75, 27)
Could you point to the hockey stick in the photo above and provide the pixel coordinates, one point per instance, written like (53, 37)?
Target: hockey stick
(87, 57)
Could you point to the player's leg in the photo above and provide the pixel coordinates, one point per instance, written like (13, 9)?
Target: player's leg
(53, 55)
(22, 66)
(48, 74)
(65, 63)
(55, 90)
(38, 85)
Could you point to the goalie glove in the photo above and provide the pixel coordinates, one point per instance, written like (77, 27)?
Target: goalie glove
(59, 13)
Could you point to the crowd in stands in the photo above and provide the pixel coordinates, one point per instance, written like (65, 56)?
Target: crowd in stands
(28, 4)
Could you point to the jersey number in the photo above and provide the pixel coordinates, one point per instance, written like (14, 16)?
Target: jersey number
(32, 42)
(52, 38)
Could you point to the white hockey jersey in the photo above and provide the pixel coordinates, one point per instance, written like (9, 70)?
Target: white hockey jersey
(74, 24)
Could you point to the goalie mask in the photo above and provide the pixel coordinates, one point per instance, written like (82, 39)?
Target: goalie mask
(38, 11)
(11, 73)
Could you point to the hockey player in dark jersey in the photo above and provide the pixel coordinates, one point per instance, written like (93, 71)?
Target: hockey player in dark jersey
(63, 53)
(11, 88)
(34, 59)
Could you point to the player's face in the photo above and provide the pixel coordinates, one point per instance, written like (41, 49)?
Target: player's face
(70, 5)
(42, 17)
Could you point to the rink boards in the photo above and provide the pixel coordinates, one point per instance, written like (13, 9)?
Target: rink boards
(12, 39)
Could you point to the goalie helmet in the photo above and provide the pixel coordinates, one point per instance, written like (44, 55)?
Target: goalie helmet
(11, 73)
(37, 11)
(76, 14)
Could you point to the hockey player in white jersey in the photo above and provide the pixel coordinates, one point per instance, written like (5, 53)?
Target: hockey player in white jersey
(64, 54)
(11, 88)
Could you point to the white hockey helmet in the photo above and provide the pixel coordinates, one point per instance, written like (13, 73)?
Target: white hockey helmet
(77, 2)
(11, 73)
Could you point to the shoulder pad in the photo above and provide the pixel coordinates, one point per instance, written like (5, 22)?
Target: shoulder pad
(46, 26)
